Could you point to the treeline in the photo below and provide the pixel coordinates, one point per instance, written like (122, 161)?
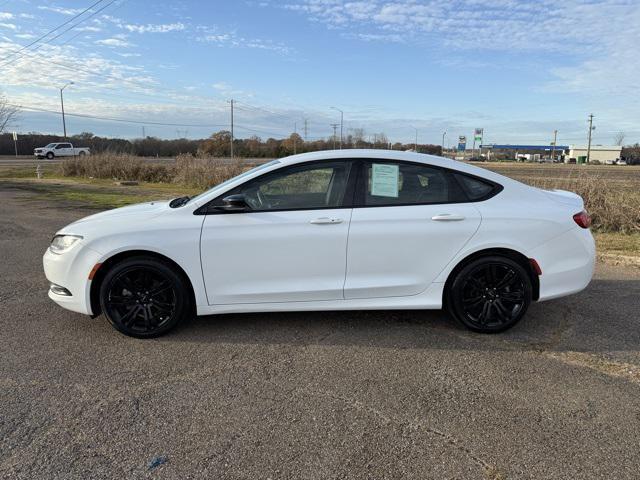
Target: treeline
(217, 145)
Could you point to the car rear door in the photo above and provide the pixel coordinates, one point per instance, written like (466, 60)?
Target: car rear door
(290, 246)
(409, 220)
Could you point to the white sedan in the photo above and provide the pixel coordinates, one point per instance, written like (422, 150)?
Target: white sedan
(333, 230)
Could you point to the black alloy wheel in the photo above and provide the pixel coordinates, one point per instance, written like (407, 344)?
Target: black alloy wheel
(490, 295)
(143, 297)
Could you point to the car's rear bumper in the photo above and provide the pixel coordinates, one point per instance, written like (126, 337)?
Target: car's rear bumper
(71, 272)
(567, 263)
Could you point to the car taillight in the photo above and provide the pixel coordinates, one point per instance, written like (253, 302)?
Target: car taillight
(583, 219)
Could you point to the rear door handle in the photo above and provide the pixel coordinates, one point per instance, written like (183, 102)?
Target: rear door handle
(325, 221)
(447, 217)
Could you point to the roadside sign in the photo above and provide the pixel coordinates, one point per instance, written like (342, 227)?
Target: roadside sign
(462, 143)
(477, 134)
(15, 136)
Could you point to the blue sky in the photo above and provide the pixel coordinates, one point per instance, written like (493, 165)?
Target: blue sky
(519, 69)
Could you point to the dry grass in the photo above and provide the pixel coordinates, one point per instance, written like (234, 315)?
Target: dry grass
(205, 172)
(187, 170)
(116, 167)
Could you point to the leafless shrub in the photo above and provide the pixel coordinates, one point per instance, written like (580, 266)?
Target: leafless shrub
(202, 172)
(117, 167)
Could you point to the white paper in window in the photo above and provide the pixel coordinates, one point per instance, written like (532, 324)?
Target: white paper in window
(384, 180)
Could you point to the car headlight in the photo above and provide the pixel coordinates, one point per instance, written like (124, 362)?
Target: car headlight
(62, 243)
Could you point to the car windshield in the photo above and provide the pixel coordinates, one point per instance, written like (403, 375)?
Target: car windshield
(237, 177)
(51, 145)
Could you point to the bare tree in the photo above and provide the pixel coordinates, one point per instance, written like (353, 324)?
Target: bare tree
(8, 113)
(619, 138)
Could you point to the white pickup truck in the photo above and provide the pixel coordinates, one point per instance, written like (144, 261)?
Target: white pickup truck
(59, 150)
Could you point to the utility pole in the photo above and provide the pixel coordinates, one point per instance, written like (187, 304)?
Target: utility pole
(64, 125)
(443, 135)
(231, 128)
(591, 127)
(295, 134)
(553, 145)
(143, 133)
(335, 127)
(341, 124)
(306, 129)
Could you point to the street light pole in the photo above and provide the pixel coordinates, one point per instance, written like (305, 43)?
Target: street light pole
(443, 135)
(341, 123)
(64, 125)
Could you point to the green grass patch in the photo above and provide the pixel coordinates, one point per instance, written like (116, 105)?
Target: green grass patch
(618, 243)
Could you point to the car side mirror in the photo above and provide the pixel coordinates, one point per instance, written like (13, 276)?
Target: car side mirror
(235, 203)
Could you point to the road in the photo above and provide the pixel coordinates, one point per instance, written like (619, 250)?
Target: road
(312, 395)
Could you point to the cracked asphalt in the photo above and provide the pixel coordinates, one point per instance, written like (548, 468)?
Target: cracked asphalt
(312, 395)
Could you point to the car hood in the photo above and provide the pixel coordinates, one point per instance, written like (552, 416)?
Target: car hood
(119, 216)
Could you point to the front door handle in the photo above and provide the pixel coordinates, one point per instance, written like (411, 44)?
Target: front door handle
(325, 221)
(447, 217)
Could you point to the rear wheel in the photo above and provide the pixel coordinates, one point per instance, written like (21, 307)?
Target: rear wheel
(490, 294)
(82, 154)
(144, 297)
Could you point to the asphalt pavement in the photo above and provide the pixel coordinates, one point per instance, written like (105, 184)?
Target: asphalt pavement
(312, 395)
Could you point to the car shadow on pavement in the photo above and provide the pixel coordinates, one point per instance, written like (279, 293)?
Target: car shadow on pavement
(595, 320)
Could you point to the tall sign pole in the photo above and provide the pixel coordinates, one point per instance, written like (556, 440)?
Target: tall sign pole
(553, 145)
(15, 142)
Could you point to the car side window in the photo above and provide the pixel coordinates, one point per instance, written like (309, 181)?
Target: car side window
(60, 145)
(394, 183)
(475, 188)
(300, 187)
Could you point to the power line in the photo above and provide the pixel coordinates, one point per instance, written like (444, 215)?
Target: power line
(113, 119)
(6, 62)
(53, 30)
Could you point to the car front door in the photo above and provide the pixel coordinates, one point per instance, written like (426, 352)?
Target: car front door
(289, 246)
(409, 220)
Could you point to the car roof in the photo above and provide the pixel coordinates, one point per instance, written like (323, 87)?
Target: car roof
(371, 153)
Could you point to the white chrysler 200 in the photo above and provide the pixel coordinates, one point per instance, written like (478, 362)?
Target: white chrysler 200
(333, 230)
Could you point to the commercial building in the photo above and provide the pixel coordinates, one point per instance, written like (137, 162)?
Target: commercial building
(601, 153)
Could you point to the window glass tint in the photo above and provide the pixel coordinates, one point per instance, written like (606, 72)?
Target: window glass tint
(475, 188)
(300, 187)
(391, 183)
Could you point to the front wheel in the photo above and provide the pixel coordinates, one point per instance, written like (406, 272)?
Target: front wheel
(490, 294)
(144, 297)
(50, 155)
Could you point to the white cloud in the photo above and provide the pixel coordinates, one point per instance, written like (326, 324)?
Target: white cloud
(61, 10)
(25, 36)
(6, 16)
(10, 26)
(232, 39)
(114, 42)
(88, 28)
(151, 28)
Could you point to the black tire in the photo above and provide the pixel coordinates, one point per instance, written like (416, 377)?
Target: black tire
(490, 294)
(82, 154)
(50, 155)
(144, 297)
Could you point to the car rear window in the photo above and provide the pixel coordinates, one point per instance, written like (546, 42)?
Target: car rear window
(475, 188)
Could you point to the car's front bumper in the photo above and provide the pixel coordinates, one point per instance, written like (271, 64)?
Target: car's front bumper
(71, 271)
